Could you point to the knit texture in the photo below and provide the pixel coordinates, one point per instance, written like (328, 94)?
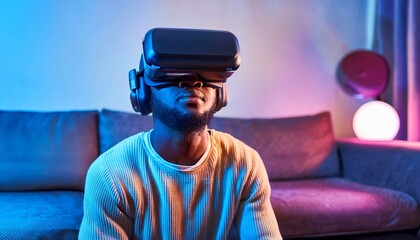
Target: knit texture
(131, 194)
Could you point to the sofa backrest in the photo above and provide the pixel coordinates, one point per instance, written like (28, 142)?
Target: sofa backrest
(46, 150)
(115, 126)
(292, 147)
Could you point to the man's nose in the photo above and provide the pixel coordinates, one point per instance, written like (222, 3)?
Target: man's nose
(195, 83)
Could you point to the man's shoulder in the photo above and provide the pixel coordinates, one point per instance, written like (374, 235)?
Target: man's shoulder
(236, 153)
(119, 165)
(122, 152)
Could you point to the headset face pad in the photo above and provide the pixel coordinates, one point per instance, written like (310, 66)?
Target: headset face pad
(172, 81)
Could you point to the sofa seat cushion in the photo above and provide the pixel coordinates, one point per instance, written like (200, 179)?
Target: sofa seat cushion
(333, 206)
(40, 215)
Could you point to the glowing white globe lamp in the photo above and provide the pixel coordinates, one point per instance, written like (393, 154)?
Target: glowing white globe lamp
(376, 121)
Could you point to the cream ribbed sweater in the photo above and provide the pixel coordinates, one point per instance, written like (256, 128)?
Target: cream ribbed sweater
(132, 193)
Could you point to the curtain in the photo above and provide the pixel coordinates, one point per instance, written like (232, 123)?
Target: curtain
(396, 37)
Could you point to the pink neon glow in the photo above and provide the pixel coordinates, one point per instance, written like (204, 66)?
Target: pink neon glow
(376, 120)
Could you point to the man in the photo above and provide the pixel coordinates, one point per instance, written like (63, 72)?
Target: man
(180, 180)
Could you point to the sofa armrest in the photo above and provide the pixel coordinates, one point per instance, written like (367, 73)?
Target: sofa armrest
(391, 164)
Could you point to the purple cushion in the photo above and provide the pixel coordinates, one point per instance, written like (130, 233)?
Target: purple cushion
(115, 126)
(46, 150)
(334, 206)
(291, 148)
(389, 164)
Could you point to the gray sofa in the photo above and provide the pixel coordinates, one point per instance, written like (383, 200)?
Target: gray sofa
(321, 186)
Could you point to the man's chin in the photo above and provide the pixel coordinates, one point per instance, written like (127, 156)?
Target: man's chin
(191, 112)
(187, 120)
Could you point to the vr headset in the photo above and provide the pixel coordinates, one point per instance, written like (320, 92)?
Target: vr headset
(172, 54)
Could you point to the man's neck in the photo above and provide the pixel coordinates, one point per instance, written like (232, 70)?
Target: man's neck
(179, 148)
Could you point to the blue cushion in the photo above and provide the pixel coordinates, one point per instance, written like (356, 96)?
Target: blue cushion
(46, 150)
(115, 126)
(40, 215)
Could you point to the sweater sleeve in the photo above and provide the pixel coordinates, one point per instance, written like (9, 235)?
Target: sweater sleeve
(103, 215)
(255, 217)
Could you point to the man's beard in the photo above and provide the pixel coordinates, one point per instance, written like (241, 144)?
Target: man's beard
(181, 122)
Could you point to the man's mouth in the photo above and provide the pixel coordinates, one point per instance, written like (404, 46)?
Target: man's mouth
(191, 96)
